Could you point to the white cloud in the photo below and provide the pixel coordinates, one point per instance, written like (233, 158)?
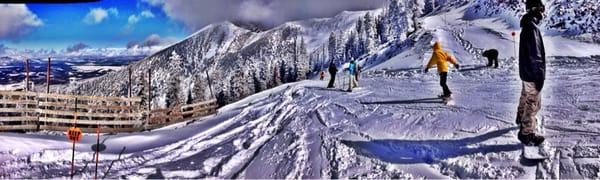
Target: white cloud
(77, 47)
(154, 2)
(133, 19)
(152, 40)
(197, 14)
(254, 10)
(95, 16)
(16, 20)
(113, 11)
(147, 14)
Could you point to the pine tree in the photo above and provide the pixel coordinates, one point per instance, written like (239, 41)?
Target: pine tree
(352, 46)
(381, 28)
(370, 33)
(332, 46)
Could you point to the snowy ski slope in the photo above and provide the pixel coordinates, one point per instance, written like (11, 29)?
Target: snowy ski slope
(392, 126)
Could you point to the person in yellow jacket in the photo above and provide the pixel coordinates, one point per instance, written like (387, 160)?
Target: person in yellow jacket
(440, 58)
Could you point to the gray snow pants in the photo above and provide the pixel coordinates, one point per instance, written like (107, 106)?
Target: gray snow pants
(352, 82)
(529, 105)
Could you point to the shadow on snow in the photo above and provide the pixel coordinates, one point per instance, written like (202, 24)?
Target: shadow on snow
(429, 151)
(412, 101)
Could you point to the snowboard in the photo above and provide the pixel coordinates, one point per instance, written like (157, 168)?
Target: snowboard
(534, 153)
(449, 101)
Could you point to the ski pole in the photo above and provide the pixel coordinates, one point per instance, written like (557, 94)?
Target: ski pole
(73, 161)
(112, 162)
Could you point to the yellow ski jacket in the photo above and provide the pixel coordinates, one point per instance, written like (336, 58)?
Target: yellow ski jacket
(440, 58)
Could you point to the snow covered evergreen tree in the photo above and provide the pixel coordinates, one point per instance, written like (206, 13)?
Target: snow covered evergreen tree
(241, 62)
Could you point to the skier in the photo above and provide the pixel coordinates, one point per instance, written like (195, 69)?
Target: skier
(532, 70)
(492, 56)
(352, 76)
(332, 71)
(322, 75)
(441, 58)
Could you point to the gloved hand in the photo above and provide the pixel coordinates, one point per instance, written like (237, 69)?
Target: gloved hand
(426, 70)
(457, 66)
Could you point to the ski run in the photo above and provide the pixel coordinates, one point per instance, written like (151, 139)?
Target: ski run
(391, 126)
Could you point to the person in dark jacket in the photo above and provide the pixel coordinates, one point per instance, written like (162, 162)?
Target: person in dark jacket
(332, 71)
(492, 56)
(532, 70)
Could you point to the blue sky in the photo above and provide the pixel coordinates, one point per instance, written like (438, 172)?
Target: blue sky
(117, 23)
(98, 25)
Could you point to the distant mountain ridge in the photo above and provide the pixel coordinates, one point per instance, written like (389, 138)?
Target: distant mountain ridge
(241, 62)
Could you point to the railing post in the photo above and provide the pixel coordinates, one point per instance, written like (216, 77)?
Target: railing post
(75, 122)
(74, 141)
(26, 74)
(129, 84)
(48, 76)
(129, 91)
(37, 113)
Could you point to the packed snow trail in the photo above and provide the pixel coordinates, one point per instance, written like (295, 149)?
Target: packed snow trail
(391, 126)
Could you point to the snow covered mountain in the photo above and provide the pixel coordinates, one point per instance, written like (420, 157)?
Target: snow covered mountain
(241, 62)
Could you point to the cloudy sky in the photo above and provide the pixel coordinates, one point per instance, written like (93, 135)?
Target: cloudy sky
(128, 23)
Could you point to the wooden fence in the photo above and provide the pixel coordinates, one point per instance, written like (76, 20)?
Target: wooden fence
(161, 117)
(18, 110)
(41, 111)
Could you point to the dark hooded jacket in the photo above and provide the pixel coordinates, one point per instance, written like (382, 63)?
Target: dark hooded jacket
(332, 69)
(490, 53)
(532, 56)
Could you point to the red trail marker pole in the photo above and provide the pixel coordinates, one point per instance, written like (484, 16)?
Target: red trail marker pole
(97, 149)
(514, 35)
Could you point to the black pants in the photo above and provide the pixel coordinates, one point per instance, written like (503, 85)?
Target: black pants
(331, 81)
(492, 60)
(443, 78)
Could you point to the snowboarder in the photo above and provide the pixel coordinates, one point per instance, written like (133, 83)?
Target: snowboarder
(322, 75)
(492, 56)
(352, 76)
(332, 71)
(441, 59)
(532, 70)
